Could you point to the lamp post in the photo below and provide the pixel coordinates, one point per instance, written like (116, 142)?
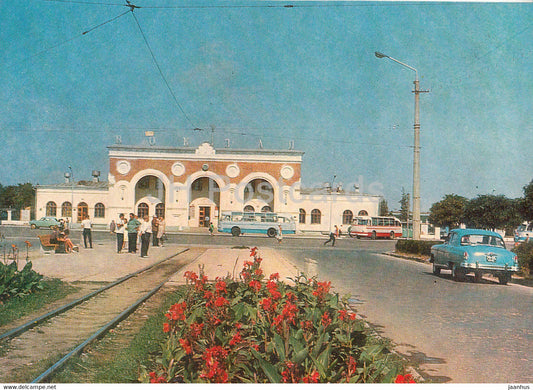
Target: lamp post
(71, 196)
(416, 157)
(331, 203)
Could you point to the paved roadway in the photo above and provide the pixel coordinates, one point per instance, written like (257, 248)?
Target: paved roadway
(455, 332)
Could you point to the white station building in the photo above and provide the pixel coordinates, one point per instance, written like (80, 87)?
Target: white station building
(191, 186)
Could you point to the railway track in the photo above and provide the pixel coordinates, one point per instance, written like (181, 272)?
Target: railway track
(40, 347)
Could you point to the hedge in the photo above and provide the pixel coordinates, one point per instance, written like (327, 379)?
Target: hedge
(525, 257)
(416, 247)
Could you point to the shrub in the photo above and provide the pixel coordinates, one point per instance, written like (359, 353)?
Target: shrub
(416, 247)
(266, 331)
(18, 283)
(524, 252)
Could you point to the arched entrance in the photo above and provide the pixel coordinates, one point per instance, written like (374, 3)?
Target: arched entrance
(149, 195)
(259, 194)
(83, 211)
(204, 202)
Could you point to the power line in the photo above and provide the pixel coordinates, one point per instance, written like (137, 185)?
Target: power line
(66, 41)
(159, 69)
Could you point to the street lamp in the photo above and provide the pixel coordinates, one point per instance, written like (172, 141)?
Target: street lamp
(416, 157)
(71, 196)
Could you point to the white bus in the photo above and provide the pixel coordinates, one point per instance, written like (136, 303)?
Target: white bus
(374, 227)
(236, 223)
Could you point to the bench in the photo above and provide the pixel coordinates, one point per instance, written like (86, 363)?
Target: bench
(47, 246)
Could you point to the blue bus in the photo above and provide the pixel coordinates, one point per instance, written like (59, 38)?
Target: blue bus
(237, 223)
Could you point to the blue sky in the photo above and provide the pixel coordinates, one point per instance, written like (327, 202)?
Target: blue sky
(275, 74)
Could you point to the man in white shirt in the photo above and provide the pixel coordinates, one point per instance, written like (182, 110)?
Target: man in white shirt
(87, 225)
(120, 229)
(145, 231)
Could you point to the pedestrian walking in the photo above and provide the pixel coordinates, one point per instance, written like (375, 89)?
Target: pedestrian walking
(279, 234)
(133, 229)
(87, 225)
(211, 228)
(120, 229)
(161, 236)
(145, 231)
(331, 239)
(155, 227)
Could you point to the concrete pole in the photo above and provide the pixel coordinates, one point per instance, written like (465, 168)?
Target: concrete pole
(416, 166)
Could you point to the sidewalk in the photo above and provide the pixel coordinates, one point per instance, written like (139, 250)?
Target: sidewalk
(100, 264)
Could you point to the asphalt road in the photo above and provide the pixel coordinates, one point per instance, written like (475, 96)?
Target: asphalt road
(455, 332)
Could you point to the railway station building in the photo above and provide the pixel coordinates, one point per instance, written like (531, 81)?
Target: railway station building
(191, 186)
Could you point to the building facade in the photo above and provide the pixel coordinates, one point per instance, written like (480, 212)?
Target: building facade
(191, 186)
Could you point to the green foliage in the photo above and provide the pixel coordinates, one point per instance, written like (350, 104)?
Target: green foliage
(491, 212)
(15, 283)
(449, 212)
(256, 331)
(524, 252)
(415, 247)
(17, 197)
(525, 205)
(404, 206)
(383, 207)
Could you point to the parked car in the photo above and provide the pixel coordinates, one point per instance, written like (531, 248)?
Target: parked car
(474, 251)
(524, 233)
(44, 222)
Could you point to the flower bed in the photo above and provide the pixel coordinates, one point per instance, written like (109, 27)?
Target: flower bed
(263, 330)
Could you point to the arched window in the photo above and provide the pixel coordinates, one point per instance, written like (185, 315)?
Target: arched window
(363, 213)
(99, 210)
(316, 216)
(51, 209)
(142, 210)
(301, 217)
(266, 209)
(160, 210)
(66, 209)
(249, 209)
(347, 217)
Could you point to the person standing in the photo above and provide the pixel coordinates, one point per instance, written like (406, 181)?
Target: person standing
(331, 238)
(120, 229)
(279, 234)
(87, 225)
(132, 228)
(146, 232)
(211, 228)
(161, 231)
(155, 228)
(112, 226)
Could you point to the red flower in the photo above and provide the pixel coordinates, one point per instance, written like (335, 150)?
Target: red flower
(306, 325)
(255, 285)
(313, 378)
(258, 272)
(235, 339)
(155, 379)
(220, 287)
(186, 345)
(274, 276)
(189, 275)
(215, 369)
(27, 243)
(322, 289)
(248, 263)
(326, 320)
(407, 378)
(176, 311)
(196, 329)
(342, 314)
(166, 327)
(221, 301)
(353, 316)
(268, 305)
(253, 251)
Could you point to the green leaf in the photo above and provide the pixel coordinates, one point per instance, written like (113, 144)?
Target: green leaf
(270, 370)
(300, 356)
(280, 346)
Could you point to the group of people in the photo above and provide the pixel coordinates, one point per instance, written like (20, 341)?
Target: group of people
(60, 235)
(141, 229)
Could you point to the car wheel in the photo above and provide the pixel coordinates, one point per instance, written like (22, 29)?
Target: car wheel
(504, 278)
(392, 235)
(51, 227)
(458, 274)
(436, 270)
(235, 231)
(271, 232)
(373, 236)
(478, 276)
(33, 226)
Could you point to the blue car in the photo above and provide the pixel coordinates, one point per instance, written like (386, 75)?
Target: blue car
(474, 251)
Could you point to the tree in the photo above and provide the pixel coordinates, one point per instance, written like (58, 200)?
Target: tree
(449, 212)
(491, 212)
(17, 197)
(404, 206)
(383, 207)
(525, 205)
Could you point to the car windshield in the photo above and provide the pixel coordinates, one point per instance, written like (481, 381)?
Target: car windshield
(481, 239)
